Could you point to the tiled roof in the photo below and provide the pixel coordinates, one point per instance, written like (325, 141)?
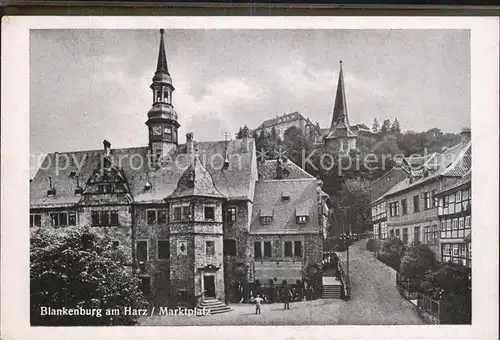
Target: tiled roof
(235, 182)
(196, 181)
(454, 162)
(276, 120)
(466, 179)
(267, 170)
(268, 196)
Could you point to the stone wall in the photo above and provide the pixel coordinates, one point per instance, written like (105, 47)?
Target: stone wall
(237, 231)
(157, 269)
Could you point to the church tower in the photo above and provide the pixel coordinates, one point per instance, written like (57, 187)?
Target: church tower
(341, 138)
(162, 118)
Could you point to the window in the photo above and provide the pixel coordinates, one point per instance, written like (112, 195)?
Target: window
(455, 228)
(416, 234)
(404, 206)
(151, 216)
(268, 252)
(456, 253)
(266, 219)
(177, 213)
(434, 199)
(298, 248)
(383, 230)
(257, 250)
(231, 214)
(141, 251)
(156, 216)
(186, 213)
(405, 235)
(229, 247)
(105, 218)
(59, 219)
(114, 218)
(398, 234)
(168, 132)
(394, 209)
(302, 219)
(104, 188)
(209, 213)
(288, 249)
(210, 248)
(95, 218)
(416, 204)
(392, 233)
(72, 218)
(427, 235)
(35, 220)
(427, 200)
(146, 285)
(163, 249)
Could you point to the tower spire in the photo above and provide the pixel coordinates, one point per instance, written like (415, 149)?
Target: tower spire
(162, 56)
(340, 107)
(162, 118)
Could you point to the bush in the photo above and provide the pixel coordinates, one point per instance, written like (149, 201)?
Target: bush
(79, 269)
(392, 253)
(417, 261)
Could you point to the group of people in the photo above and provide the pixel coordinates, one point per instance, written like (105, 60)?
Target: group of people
(285, 295)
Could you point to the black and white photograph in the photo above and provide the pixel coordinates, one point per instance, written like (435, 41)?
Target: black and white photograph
(253, 177)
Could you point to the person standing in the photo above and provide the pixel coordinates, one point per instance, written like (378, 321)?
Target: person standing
(286, 296)
(258, 301)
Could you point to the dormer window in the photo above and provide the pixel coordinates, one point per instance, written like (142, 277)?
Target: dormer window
(51, 192)
(266, 215)
(302, 215)
(104, 188)
(285, 196)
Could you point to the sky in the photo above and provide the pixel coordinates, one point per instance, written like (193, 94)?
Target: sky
(91, 85)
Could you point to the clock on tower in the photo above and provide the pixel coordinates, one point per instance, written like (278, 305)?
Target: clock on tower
(157, 130)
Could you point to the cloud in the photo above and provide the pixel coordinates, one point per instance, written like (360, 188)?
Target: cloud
(301, 79)
(216, 108)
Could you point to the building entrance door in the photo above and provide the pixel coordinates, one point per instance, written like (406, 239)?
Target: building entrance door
(209, 285)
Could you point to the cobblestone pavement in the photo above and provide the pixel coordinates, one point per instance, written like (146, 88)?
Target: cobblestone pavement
(375, 301)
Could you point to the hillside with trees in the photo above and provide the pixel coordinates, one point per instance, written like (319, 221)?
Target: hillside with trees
(346, 178)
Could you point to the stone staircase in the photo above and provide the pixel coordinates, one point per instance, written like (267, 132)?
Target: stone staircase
(214, 305)
(332, 292)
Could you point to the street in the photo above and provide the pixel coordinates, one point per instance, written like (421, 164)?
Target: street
(374, 301)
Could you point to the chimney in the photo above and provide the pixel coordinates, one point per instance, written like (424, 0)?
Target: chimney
(189, 142)
(279, 169)
(107, 148)
(465, 135)
(244, 133)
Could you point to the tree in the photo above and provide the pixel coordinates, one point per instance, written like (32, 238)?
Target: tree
(274, 135)
(417, 261)
(392, 253)
(386, 126)
(375, 126)
(395, 126)
(78, 268)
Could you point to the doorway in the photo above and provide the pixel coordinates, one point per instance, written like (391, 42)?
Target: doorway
(209, 285)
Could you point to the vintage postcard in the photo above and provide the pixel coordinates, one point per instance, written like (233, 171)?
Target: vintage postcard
(194, 175)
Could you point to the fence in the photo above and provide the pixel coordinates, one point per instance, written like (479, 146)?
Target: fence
(428, 308)
(346, 284)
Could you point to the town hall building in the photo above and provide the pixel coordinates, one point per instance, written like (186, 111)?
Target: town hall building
(196, 220)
